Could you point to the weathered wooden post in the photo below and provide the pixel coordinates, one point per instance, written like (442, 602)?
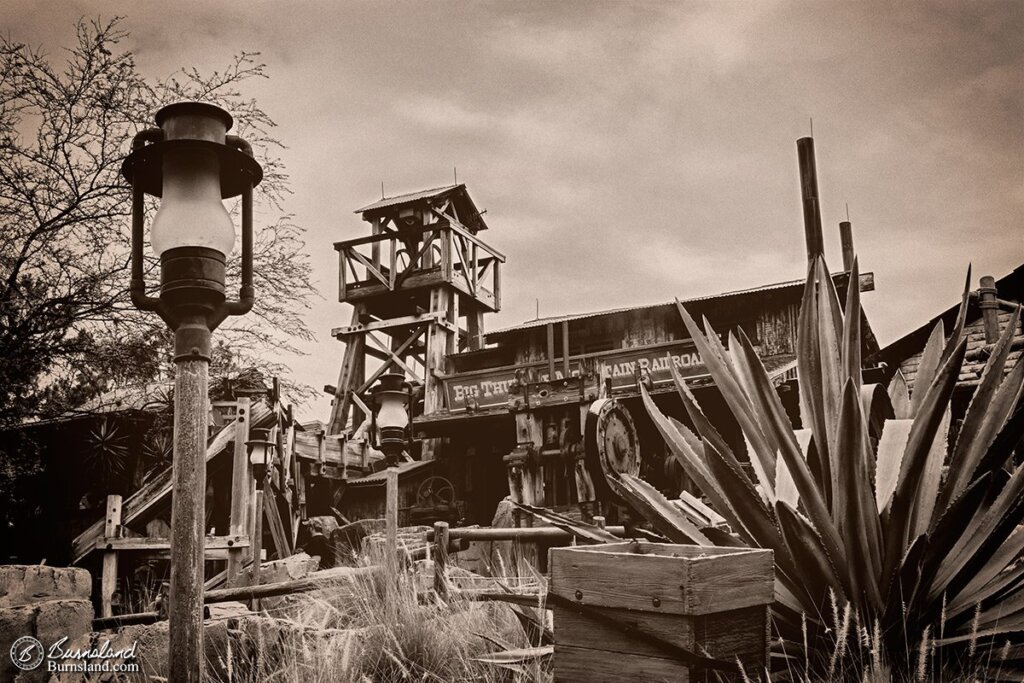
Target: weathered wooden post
(809, 194)
(241, 483)
(441, 559)
(108, 580)
(391, 515)
(658, 611)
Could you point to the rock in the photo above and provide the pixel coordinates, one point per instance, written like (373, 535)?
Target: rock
(48, 621)
(348, 539)
(25, 584)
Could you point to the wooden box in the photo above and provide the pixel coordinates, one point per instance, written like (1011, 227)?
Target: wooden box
(710, 601)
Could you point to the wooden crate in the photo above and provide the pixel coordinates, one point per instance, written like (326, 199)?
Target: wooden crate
(712, 601)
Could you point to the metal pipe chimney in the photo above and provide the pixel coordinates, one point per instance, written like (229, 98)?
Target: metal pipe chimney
(809, 192)
(846, 239)
(989, 306)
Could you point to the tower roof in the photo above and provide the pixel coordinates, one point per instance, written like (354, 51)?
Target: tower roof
(465, 209)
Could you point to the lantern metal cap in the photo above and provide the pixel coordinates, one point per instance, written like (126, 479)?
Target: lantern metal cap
(189, 108)
(182, 127)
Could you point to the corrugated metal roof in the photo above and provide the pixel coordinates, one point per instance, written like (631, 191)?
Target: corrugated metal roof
(408, 197)
(580, 316)
(382, 476)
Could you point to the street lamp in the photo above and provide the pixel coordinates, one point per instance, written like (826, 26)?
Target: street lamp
(190, 162)
(390, 422)
(259, 455)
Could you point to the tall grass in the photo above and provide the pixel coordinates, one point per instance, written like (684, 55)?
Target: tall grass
(387, 628)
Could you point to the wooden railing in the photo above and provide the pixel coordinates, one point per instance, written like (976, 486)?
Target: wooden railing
(433, 254)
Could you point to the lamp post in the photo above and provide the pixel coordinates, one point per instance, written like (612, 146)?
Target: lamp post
(391, 398)
(260, 448)
(191, 163)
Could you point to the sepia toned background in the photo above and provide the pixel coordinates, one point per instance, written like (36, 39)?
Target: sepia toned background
(628, 153)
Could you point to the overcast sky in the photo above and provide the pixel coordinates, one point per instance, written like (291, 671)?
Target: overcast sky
(627, 153)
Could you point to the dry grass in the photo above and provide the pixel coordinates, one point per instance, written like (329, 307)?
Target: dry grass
(383, 629)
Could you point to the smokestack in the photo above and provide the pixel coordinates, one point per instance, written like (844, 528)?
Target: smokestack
(989, 306)
(846, 239)
(809, 192)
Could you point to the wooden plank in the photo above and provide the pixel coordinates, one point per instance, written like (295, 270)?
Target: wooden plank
(679, 579)
(391, 514)
(157, 490)
(277, 531)
(587, 665)
(441, 559)
(405, 321)
(147, 543)
(241, 476)
(108, 580)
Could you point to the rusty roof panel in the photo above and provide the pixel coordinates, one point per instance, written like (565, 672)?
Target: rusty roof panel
(407, 198)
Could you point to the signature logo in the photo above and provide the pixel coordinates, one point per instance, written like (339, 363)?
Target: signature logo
(27, 653)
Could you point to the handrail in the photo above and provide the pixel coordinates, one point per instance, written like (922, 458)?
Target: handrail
(412, 232)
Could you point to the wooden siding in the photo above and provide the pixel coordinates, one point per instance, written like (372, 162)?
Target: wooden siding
(970, 374)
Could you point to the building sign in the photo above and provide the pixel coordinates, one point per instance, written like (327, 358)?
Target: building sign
(486, 391)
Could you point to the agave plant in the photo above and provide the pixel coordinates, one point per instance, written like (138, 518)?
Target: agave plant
(890, 545)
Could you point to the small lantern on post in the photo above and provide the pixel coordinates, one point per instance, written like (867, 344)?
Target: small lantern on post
(391, 425)
(192, 164)
(260, 448)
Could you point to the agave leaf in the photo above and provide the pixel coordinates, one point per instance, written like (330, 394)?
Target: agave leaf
(950, 528)
(904, 585)
(851, 348)
(657, 509)
(919, 442)
(755, 516)
(728, 385)
(977, 533)
(817, 569)
(777, 420)
(703, 425)
(812, 408)
(582, 531)
(694, 464)
(963, 605)
(924, 505)
(785, 486)
(888, 458)
(1007, 521)
(1006, 440)
(961, 316)
(980, 426)
(831, 365)
(899, 395)
(928, 365)
(855, 510)
(524, 655)
(1000, 560)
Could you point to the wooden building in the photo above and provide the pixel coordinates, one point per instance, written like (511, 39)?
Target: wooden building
(505, 412)
(989, 311)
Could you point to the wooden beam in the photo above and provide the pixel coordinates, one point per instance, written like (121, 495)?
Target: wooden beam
(391, 515)
(145, 543)
(108, 580)
(277, 531)
(241, 476)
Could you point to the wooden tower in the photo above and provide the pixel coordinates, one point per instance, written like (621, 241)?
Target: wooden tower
(419, 284)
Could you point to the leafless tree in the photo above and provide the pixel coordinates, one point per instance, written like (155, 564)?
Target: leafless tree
(67, 328)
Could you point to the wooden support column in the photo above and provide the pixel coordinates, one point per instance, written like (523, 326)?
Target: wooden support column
(440, 341)
(441, 559)
(391, 515)
(475, 329)
(565, 348)
(108, 581)
(350, 377)
(551, 351)
(241, 481)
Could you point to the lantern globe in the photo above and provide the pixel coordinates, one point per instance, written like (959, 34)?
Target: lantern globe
(191, 212)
